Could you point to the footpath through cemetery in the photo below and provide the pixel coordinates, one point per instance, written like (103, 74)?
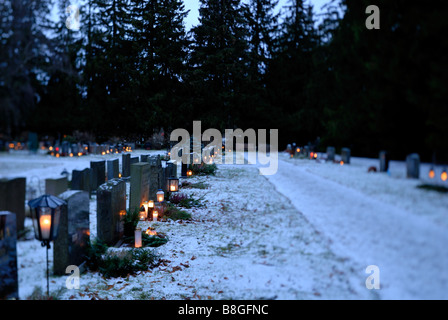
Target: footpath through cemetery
(91, 222)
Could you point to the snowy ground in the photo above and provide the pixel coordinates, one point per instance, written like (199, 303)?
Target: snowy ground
(308, 232)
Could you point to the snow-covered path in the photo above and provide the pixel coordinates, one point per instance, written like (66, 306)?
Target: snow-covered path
(409, 249)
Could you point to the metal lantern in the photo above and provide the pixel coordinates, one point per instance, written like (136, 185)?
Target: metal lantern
(160, 195)
(173, 184)
(46, 212)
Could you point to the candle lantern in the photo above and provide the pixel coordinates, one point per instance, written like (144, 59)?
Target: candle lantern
(173, 184)
(151, 204)
(142, 213)
(45, 213)
(431, 173)
(138, 238)
(160, 195)
(155, 215)
(444, 175)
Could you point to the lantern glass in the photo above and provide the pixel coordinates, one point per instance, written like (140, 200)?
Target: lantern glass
(151, 204)
(173, 184)
(46, 213)
(160, 196)
(142, 213)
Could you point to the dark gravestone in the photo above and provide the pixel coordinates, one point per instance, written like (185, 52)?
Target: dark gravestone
(97, 174)
(56, 186)
(345, 155)
(139, 191)
(306, 151)
(112, 169)
(70, 247)
(413, 166)
(81, 180)
(330, 154)
(172, 169)
(126, 165)
(134, 160)
(183, 170)
(155, 176)
(12, 198)
(110, 202)
(65, 148)
(384, 161)
(144, 158)
(33, 143)
(9, 284)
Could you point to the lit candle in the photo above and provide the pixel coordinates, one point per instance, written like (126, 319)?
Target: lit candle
(173, 188)
(138, 238)
(160, 196)
(189, 173)
(431, 174)
(151, 204)
(155, 215)
(45, 225)
(444, 176)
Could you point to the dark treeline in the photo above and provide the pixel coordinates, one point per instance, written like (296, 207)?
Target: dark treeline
(133, 69)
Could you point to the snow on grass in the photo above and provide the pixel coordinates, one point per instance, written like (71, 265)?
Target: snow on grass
(247, 242)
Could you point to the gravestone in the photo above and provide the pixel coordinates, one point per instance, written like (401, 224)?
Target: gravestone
(345, 155)
(9, 283)
(12, 198)
(56, 186)
(65, 148)
(97, 174)
(74, 232)
(384, 161)
(93, 148)
(81, 180)
(125, 165)
(33, 143)
(134, 160)
(112, 169)
(306, 151)
(110, 202)
(183, 170)
(155, 176)
(144, 158)
(139, 191)
(75, 149)
(413, 166)
(171, 169)
(330, 153)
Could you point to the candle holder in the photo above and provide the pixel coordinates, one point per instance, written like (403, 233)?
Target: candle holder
(45, 213)
(138, 238)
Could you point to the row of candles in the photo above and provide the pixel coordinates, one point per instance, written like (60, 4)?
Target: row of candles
(151, 207)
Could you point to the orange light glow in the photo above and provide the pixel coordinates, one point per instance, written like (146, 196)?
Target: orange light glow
(342, 163)
(57, 155)
(444, 176)
(431, 174)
